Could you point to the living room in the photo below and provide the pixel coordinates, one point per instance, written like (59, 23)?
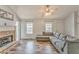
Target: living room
(40, 23)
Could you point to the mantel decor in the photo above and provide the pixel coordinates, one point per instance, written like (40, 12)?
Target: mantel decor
(6, 15)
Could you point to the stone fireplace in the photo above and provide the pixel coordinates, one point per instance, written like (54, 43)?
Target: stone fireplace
(7, 41)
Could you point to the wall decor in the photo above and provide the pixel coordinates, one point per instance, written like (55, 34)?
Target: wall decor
(6, 15)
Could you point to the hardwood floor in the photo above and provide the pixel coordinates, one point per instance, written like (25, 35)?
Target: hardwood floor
(33, 47)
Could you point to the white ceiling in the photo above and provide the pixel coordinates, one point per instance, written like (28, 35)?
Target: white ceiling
(33, 11)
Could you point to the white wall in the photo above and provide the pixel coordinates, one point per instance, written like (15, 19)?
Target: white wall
(70, 25)
(77, 26)
(58, 26)
(18, 31)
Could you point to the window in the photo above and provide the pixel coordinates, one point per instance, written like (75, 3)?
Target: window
(29, 27)
(48, 27)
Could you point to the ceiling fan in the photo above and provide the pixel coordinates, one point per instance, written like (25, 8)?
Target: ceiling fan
(47, 10)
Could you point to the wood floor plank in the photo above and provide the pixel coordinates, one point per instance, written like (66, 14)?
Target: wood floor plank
(33, 47)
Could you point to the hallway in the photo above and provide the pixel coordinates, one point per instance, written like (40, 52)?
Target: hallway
(33, 47)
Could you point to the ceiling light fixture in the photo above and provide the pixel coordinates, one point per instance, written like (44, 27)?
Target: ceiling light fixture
(47, 10)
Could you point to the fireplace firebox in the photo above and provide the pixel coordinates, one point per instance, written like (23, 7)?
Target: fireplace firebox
(5, 40)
